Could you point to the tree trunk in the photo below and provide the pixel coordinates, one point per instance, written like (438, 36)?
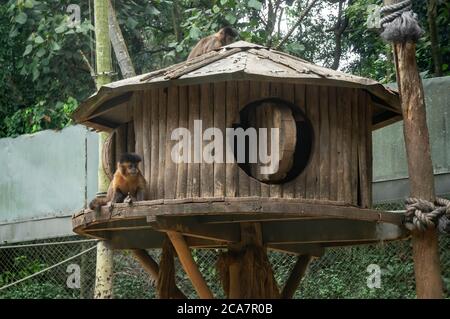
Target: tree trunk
(176, 21)
(119, 45)
(271, 21)
(104, 269)
(339, 28)
(434, 38)
(425, 245)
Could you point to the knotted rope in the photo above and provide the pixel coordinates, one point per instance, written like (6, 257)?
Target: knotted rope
(400, 23)
(422, 214)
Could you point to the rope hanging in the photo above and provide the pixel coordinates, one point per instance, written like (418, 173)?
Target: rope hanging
(400, 23)
(421, 214)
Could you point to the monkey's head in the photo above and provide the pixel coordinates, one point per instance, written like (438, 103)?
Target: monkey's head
(227, 35)
(128, 164)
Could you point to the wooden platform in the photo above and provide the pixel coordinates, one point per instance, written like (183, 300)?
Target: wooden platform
(293, 226)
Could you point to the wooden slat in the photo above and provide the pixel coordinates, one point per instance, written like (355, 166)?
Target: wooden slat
(121, 140)
(369, 111)
(131, 142)
(355, 142)
(146, 137)
(340, 109)
(347, 144)
(265, 93)
(162, 104)
(325, 168)
(300, 101)
(289, 95)
(137, 119)
(334, 162)
(193, 182)
(362, 150)
(183, 123)
(219, 122)
(232, 117)
(154, 151)
(276, 90)
(313, 113)
(254, 184)
(243, 99)
(207, 116)
(170, 169)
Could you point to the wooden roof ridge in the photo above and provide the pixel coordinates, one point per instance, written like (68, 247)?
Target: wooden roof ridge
(267, 55)
(195, 66)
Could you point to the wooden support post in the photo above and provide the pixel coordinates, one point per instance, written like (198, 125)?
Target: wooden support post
(295, 277)
(256, 279)
(152, 268)
(425, 245)
(147, 262)
(189, 265)
(104, 271)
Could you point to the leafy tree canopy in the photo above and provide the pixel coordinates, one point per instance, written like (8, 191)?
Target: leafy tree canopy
(46, 63)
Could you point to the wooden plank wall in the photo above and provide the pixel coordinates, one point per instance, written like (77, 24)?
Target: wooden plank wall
(339, 168)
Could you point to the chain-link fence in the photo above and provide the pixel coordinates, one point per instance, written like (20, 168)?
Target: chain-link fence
(383, 270)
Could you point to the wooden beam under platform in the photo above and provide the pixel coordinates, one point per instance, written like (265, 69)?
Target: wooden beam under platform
(189, 265)
(295, 277)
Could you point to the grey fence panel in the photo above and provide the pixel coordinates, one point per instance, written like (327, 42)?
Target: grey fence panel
(47, 177)
(389, 155)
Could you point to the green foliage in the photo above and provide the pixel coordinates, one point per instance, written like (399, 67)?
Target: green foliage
(35, 290)
(39, 117)
(43, 74)
(42, 66)
(132, 283)
(331, 279)
(25, 266)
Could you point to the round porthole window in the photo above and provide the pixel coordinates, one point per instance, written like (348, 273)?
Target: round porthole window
(283, 143)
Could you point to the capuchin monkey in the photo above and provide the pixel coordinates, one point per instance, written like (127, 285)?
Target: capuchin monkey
(223, 37)
(127, 185)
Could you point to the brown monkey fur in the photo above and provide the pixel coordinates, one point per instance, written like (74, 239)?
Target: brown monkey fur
(128, 181)
(223, 37)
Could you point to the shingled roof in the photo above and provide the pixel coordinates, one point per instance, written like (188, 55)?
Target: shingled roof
(238, 61)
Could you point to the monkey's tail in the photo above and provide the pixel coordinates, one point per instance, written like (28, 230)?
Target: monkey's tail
(98, 202)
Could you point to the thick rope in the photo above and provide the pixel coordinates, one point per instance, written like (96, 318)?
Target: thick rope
(400, 23)
(422, 215)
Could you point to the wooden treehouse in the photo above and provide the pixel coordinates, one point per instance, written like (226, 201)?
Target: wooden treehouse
(321, 195)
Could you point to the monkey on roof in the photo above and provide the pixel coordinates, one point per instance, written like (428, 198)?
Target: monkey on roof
(223, 37)
(128, 183)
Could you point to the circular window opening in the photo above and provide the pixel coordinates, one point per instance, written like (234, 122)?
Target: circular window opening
(278, 141)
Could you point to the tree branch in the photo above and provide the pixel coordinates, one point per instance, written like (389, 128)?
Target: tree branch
(119, 45)
(89, 66)
(300, 19)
